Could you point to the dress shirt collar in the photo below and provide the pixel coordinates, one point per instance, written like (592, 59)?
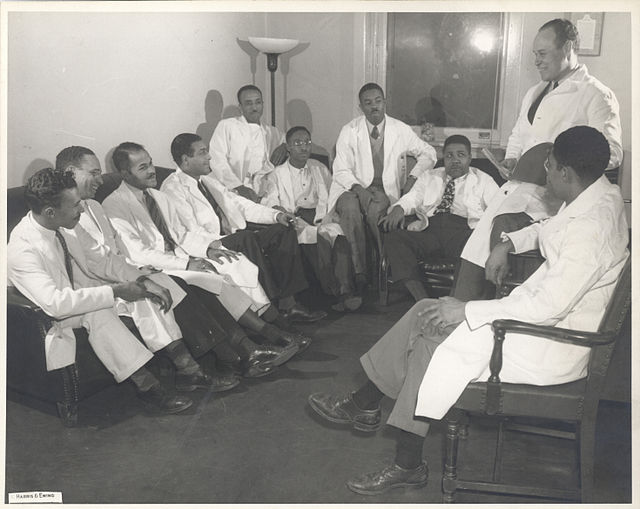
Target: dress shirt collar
(188, 180)
(45, 232)
(305, 168)
(138, 193)
(380, 126)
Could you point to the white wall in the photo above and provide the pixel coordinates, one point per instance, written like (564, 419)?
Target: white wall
(97, 79)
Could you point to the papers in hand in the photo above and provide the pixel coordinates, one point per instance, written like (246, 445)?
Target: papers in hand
(504, 171)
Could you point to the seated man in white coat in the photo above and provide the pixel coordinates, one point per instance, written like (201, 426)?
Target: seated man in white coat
(159, 330)
(208, 208)
(566, 96)
(153, 234)
(427, 359)
(368, 174)
(448, 201)
(301, 187)
(78, 283)
(244, 150)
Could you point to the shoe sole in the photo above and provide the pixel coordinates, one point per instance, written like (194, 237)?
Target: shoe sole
(359, 491)
(259, 373)
(367, 428)
(210, 388)
(154, 408)
(285, 356)
(307, 320)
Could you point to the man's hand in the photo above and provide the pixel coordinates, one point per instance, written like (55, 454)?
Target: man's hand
(364, 196)
(157, 293)
(219, 255)
(148, 269)
(393, 220)
(248, 193)
(497, 266)
(200, 265)
(279, 207)
(442, 313)
(509, 164)
(130, 291)
(286, 218)
(279, 155)
(408, 184)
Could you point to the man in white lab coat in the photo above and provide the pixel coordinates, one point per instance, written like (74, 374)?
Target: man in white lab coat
(448, 201)
(244, 150)
(427, 359)
(78, 283)
(566, 96)
(369, 170)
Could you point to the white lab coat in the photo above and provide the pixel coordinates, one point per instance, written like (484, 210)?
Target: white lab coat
(233, 162)
(36, 267)
(157, 328)
(145, 245)
(354, 163)
(198, 216)
(514, 196)
(585, 247)
(579, 100)
(475, 190)
(282, 193)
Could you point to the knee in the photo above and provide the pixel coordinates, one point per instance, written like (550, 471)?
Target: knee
(348, 205)
(246, 237)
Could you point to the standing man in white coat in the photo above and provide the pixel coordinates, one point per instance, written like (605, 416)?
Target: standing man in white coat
(368, 174)
(244, 150)
(76, 281)
(566, 96)
(439, 346)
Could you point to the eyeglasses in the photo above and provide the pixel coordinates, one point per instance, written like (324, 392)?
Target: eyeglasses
(301, 143)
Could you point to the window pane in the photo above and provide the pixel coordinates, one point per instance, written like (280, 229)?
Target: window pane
(444, 68)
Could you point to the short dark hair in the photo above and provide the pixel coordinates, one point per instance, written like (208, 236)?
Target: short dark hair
(585, 150)
(45, 186)
(121, 154)
(182, 145)
(367, 87)
(458, 138)
(71, 156)
(294, 130)
(246, 88)
(565, 31)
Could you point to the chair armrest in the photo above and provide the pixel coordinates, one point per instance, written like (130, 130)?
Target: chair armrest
(15, 298)
(574, 337)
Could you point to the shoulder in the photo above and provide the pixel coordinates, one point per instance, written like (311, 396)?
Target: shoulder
(317, 165)
(396, 124)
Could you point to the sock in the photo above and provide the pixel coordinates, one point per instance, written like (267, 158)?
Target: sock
(185, 364)
(408, 450)
(287, 302)
(272, 333)
(270, 314)
(143, 379)
(368, 396)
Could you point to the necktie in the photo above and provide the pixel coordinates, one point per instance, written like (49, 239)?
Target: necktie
(224, 222)
(534, 106)
(374, 132)
(158, 220)
(67, 256)
(447, 198)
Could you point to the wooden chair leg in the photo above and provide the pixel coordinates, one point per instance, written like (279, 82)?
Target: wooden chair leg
(383, 281)
(68, 407)
(587, 455)
(450, 473)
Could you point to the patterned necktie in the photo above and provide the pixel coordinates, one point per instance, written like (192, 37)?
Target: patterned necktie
(374, 132)
(158, 220)
(534, 106)
(447, 198)
(67, 256)
(224, 222)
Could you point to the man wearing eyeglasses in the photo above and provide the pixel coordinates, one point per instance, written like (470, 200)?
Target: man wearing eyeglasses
(300, 186)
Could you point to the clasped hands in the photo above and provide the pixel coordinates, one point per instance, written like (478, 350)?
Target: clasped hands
(144, 288)
(438, 314)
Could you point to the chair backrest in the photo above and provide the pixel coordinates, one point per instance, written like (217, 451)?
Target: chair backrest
(112, 180)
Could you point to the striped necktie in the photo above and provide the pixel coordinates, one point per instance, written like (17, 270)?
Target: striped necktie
(158, 220)
(67, 256)
(224, 222)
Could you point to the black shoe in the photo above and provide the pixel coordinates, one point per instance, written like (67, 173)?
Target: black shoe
(160, 399)
(265, 359)
(220, 383)
(389, 477)
(343, 410)
(299, 313)
(297, 338)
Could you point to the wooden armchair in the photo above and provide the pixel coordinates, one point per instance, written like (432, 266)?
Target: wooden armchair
(576, 402)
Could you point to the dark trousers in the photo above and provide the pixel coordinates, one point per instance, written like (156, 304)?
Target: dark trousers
(274, 249)
(445, 236)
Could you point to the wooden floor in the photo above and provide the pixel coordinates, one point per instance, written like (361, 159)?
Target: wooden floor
(260, 443)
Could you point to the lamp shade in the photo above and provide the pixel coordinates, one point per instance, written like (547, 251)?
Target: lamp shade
(273, 45)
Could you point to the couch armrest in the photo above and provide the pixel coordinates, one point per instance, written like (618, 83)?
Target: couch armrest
(15, 298)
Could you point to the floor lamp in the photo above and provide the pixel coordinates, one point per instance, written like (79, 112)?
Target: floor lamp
(273, 47)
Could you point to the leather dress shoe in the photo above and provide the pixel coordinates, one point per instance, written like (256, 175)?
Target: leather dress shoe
(160, 399)
(297, 338)
(220, 383)
(264, 359)
(389, 477)
(299, 313)
(343, 410)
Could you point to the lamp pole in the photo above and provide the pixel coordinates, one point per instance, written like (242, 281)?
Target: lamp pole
(272, 66)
